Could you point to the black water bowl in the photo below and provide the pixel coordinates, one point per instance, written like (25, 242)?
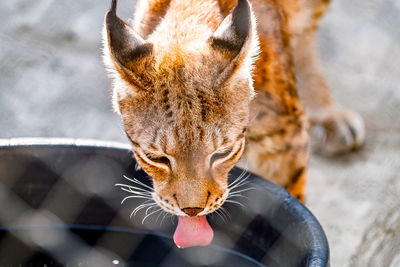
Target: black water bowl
(60, 207)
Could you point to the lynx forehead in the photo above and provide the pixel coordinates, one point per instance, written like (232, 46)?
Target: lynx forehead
(181, 103)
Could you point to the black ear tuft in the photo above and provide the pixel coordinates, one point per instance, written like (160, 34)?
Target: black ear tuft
(113, 8)
(125, 44)
(241, 18)
(234, 30)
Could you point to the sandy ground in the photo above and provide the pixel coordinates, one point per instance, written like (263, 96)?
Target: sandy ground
(53, 84)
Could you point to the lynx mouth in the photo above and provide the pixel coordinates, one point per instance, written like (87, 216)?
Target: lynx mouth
(193, 231)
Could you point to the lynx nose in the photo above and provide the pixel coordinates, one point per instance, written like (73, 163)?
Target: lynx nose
(192, 211)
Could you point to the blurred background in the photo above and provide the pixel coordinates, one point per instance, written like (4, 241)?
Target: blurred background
(53, 84)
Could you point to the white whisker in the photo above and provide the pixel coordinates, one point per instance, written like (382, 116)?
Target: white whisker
(128, 197)
(145, 217)
(143, 191)
(171, 218)
(162, 220)
(243, 190)
(234, 202)
(241, 183)
(149, 208)
(238, 179)
(217, 213)
(133, 187)
(136, 192)
(142, 206)
(134, 180)
(226, 212)
(158, 217)
(236, 195)
(222, 215)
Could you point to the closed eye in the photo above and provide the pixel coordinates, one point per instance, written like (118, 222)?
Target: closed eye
(218, 156)
(162, 160)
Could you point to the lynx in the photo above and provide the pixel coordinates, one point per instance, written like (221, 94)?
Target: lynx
(202, 85)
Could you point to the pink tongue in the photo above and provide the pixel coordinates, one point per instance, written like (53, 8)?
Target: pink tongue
(193, 231)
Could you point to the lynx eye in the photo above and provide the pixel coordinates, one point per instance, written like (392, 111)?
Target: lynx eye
(218, 156)
(162, 160)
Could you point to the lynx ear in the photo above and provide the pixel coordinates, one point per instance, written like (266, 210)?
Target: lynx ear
(125, 45)
(234, 30)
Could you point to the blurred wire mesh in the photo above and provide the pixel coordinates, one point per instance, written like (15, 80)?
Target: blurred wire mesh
(60, 207)
(52, 83)
(52, 197)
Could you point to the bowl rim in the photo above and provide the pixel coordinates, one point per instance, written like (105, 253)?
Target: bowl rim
(61, 141)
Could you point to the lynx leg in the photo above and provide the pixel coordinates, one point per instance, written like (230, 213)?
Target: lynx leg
(287, 167)
(277, 145)
(333, 129)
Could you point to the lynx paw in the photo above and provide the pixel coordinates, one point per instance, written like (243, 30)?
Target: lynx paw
(336, 130)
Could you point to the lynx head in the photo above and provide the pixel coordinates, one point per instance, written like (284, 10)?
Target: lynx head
(183, 94)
